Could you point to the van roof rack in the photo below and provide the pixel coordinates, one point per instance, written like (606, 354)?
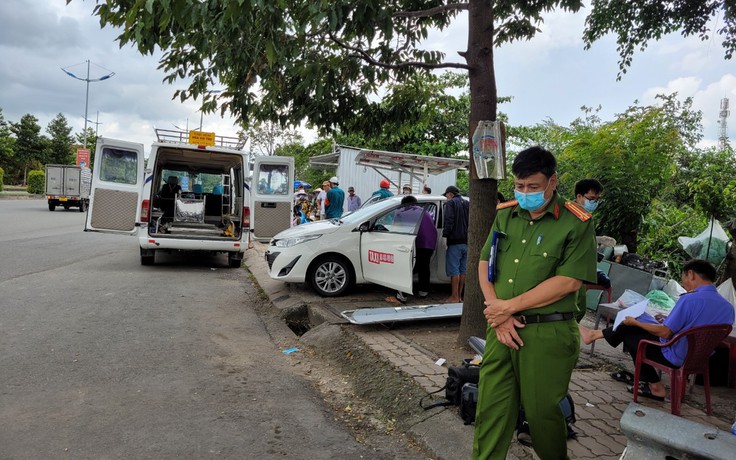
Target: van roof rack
(173, 136)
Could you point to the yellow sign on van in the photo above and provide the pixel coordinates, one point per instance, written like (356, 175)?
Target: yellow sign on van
(201, 138)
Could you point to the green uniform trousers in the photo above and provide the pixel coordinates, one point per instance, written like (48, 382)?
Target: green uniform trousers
(537, 375)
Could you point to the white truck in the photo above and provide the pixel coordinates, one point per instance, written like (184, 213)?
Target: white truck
(191, 194)
(68, 186)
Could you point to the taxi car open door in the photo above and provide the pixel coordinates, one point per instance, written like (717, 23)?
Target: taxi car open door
(387, 248)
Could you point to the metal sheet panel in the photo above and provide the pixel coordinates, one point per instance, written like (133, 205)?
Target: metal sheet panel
(365, 180)
(54, 179)
(623, 277)
(270, 218)
(114, 209)
(72, 181)
(403, 313)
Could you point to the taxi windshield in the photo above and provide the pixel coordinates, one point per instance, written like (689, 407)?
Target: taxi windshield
(363, 214)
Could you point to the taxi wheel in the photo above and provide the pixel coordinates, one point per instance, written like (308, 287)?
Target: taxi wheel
(331, 276)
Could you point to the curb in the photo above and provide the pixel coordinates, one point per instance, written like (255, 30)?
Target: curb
(387, 369)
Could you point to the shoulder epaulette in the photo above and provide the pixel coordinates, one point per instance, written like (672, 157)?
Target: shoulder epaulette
(578, 211)
(506, 204)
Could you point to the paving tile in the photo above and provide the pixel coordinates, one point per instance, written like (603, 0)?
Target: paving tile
(612, 443)
(594, 446)
(585, 428)
(578, 450)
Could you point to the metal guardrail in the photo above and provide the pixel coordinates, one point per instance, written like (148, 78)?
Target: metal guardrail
(172, 136)
(655, 435)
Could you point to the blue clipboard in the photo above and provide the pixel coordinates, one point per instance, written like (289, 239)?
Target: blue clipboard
(496, 238)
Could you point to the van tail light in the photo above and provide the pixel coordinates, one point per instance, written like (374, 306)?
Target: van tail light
(145, 210)
(246, 216)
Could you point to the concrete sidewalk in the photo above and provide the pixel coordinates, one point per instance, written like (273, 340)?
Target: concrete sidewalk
(599, 400)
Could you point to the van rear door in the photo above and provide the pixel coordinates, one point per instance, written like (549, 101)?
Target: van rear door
(272, 194)
(117, 185)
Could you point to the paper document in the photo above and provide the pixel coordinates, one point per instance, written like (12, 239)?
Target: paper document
(634, 311)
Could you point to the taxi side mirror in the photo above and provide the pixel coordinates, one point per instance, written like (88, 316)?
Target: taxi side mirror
(364, 227)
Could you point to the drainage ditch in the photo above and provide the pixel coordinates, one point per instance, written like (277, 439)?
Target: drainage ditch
(297, 319)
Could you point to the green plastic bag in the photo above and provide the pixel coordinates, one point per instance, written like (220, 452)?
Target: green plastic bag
(660, 299)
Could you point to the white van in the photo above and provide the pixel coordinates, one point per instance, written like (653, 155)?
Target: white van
(188, 197)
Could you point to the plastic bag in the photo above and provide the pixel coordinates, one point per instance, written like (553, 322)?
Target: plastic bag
(660, 300)
(674, 290)
(630, 298)
(488, 151)
(727, 290)
(699, 247)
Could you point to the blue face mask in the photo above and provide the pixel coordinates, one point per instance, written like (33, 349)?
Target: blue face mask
(531, 201)
(590, 206)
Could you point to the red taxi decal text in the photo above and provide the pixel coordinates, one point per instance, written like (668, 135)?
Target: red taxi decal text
(376, 257)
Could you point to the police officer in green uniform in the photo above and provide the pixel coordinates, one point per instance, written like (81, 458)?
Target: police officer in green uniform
(532, 340)
(588, 195)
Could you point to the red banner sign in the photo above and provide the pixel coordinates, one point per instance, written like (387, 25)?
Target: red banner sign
(83, 157)
(376, 257)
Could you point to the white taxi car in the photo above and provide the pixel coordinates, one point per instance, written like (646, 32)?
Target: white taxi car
(374, 244)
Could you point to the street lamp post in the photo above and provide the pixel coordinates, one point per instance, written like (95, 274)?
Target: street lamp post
(96, 123)
(86, 100)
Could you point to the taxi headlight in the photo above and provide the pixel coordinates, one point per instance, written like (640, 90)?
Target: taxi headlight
(289, 242)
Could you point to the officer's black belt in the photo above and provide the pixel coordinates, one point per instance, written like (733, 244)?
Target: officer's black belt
(534, 319)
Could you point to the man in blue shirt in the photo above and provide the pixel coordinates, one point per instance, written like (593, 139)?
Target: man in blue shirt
(334, 201)
(701, 306)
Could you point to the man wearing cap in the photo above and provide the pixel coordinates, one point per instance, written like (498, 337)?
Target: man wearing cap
(353, 200)
(455, 229)
(547, 250)
(334, 200)
(406, 189)
(383, 191)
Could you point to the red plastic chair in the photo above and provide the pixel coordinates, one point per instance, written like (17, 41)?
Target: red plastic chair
(701, 342)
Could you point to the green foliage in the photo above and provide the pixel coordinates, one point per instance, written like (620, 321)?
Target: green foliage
(2, 178)
(665, 222)
(28, 147)
(423, 115)
(314, 61)
(36, 182)
(709, 179)
(59, 148)
(302, 154)
(637, 23)
(633, 157)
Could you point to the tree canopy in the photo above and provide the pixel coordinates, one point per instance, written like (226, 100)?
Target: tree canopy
(635, 24)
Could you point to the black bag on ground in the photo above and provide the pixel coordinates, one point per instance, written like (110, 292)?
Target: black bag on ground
(468, 402)
(457, 376)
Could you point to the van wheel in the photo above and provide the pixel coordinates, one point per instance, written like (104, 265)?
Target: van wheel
(331, 276)
(52, 207)
(82, 206)
(234, 259)
(148, 256)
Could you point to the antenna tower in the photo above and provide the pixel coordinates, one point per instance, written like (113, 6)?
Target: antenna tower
(722, 120)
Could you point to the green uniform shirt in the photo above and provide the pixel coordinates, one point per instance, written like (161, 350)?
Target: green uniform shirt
(556, 243)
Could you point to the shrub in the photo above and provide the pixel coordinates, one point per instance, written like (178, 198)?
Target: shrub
(2, 176)
(36, 182)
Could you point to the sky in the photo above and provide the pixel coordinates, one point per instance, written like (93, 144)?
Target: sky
(552, 76)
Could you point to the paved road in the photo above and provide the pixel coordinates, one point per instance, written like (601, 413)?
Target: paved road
(104, 358)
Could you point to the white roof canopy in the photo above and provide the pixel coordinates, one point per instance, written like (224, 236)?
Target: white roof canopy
(416, 166)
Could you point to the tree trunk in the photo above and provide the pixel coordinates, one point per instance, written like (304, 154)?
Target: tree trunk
(482, 192)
